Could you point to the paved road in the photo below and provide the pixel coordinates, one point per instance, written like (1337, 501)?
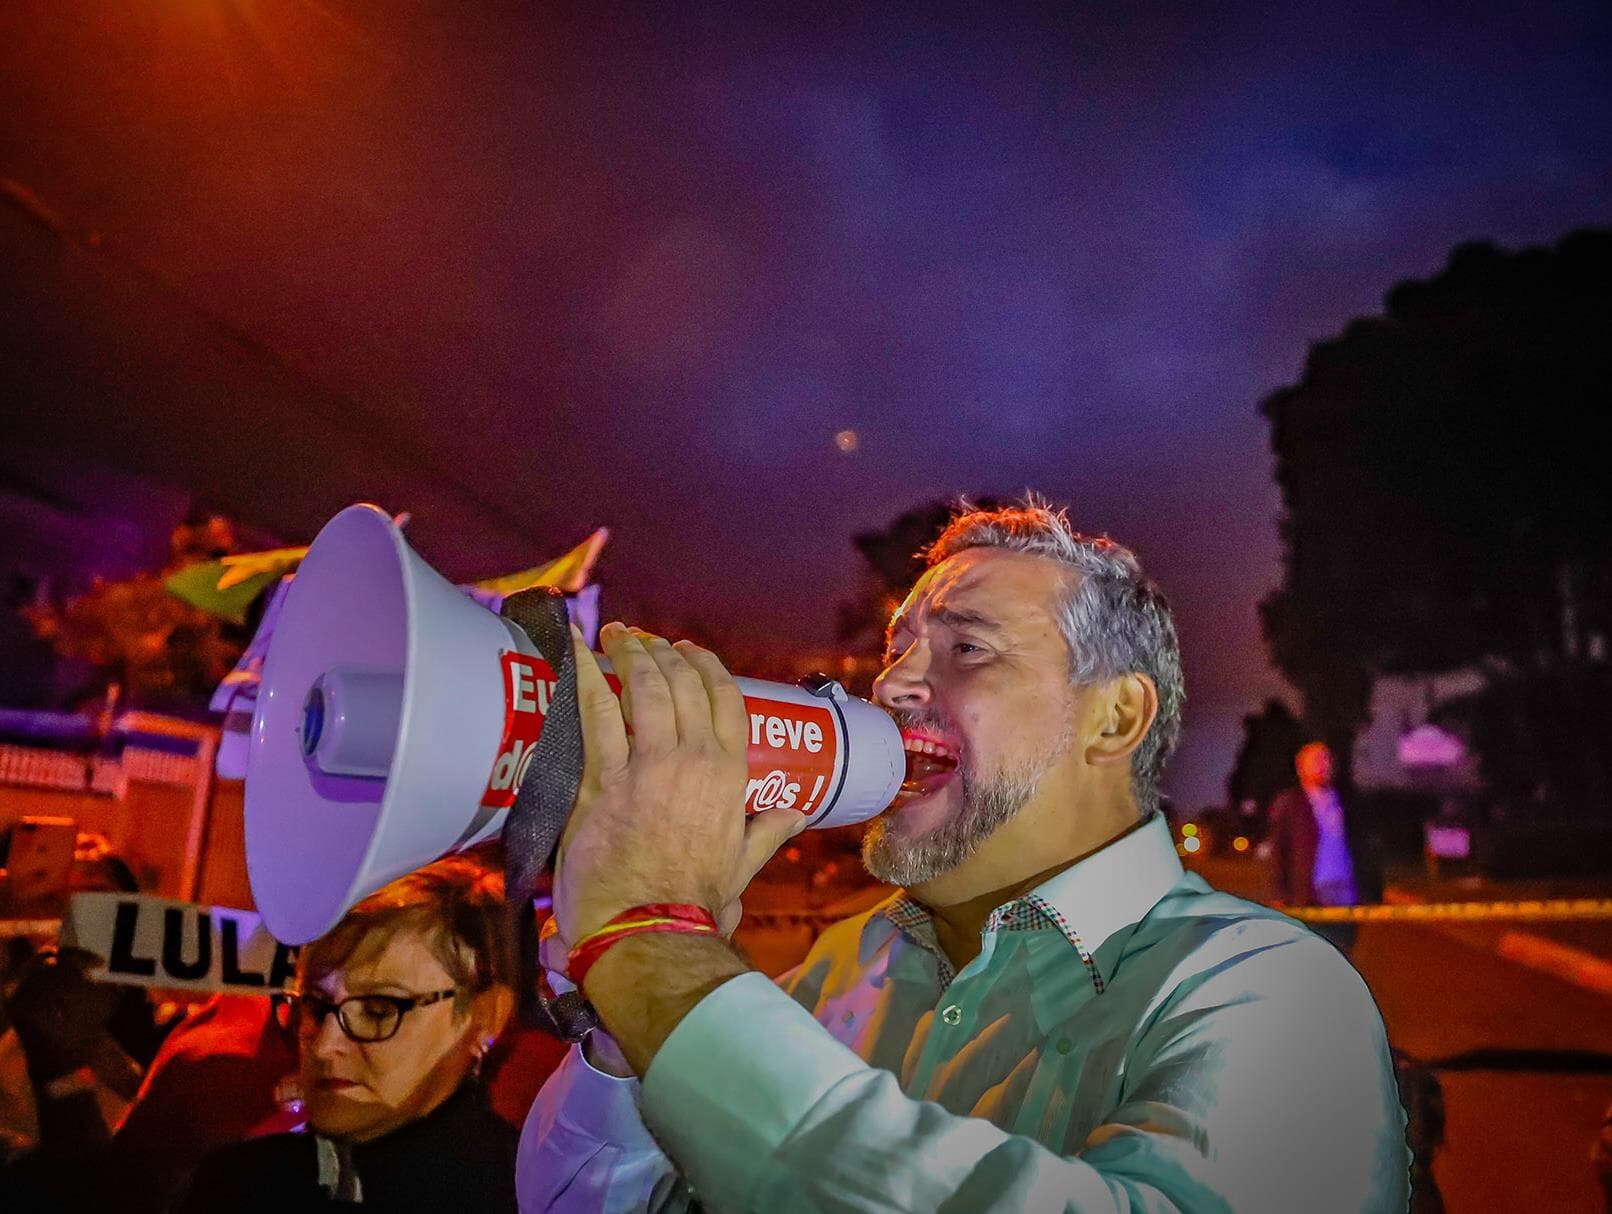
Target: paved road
(1516, 1139)
(1517, 1132)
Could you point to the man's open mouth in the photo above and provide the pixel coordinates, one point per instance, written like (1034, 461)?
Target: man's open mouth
(931, 761)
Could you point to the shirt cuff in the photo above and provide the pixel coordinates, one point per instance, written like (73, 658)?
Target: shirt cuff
(735, 1077)
(595, 1105)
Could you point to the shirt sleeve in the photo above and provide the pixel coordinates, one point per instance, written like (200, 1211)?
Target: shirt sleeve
(1260, 1085)
(584, 1148)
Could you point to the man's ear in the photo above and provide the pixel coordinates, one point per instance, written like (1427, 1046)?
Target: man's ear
(1124, 709)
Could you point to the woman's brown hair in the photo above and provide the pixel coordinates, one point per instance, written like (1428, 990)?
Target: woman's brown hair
(457, 904)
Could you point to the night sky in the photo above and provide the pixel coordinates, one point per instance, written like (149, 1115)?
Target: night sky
(530, 269)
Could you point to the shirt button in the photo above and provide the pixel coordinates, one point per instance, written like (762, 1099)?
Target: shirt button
(1065, 1045)
(952, 1015)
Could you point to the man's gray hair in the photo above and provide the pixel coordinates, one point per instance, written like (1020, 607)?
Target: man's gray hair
(1113, 618)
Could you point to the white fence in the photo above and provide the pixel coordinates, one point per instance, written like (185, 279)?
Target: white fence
(31, 767)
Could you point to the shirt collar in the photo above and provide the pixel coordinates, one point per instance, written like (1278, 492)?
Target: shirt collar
(1113, 889)
(1090, 902)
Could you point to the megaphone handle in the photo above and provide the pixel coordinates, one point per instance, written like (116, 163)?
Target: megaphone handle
(542, 803)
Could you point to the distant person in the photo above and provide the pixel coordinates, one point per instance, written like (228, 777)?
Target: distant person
(72, 1050)
(396, 1008)
(1315, 860)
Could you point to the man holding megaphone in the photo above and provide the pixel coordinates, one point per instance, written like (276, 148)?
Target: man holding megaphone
(1049, 1015)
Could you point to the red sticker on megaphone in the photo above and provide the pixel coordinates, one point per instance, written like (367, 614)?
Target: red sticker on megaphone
(793, 749)
(792, 752)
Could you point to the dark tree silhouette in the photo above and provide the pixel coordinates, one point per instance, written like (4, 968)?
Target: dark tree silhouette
(1264, 766)
(1443, 472)
(894, 558)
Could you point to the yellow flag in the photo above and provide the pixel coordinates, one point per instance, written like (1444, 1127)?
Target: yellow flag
(569, 573)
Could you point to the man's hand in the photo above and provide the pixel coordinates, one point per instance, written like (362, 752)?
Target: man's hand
(660, 813)
(659, 817)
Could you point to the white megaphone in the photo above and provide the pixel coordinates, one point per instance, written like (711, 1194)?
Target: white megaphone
(397, 717)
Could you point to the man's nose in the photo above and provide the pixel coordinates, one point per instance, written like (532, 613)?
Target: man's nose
(904, 683)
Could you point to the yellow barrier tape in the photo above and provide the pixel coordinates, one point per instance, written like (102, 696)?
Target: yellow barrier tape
(1468, 912)
(1464, 912)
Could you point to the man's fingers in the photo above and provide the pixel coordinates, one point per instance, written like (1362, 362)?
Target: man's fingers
(646, 699)
(690, 702)
(728, 919)
(729, 717)
(764, 834)
(604, 732)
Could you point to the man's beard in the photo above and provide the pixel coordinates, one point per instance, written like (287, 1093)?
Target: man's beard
(989, 801)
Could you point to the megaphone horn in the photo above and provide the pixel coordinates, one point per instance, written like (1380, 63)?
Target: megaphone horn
(397, 718)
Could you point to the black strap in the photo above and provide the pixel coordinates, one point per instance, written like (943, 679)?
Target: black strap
(542, 803)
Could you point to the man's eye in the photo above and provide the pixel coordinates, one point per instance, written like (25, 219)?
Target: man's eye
(965, 648)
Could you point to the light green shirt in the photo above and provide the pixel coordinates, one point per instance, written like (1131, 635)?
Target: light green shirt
(1127, 1039)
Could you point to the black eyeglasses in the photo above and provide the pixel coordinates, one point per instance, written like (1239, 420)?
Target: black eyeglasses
(364, 1018)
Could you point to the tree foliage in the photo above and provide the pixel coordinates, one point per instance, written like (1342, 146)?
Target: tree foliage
(1443, 470)
(161, 651)
(1272, 738)
(895, 560)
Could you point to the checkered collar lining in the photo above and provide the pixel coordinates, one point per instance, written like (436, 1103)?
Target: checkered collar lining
(1107, 891)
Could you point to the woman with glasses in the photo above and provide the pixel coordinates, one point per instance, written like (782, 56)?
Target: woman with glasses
(393, 1012)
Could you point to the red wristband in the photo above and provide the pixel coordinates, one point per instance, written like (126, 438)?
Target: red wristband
(656, 917)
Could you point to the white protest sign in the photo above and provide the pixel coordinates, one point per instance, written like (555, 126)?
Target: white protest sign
(148, 941)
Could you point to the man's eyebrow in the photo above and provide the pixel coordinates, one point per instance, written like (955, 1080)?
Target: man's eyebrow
(959, 617)
(951, 617)
(890, 630)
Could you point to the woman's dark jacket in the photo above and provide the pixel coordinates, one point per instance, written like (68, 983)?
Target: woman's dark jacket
(460, 1156)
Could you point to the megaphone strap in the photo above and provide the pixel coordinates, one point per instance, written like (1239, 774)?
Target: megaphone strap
(542, 803)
